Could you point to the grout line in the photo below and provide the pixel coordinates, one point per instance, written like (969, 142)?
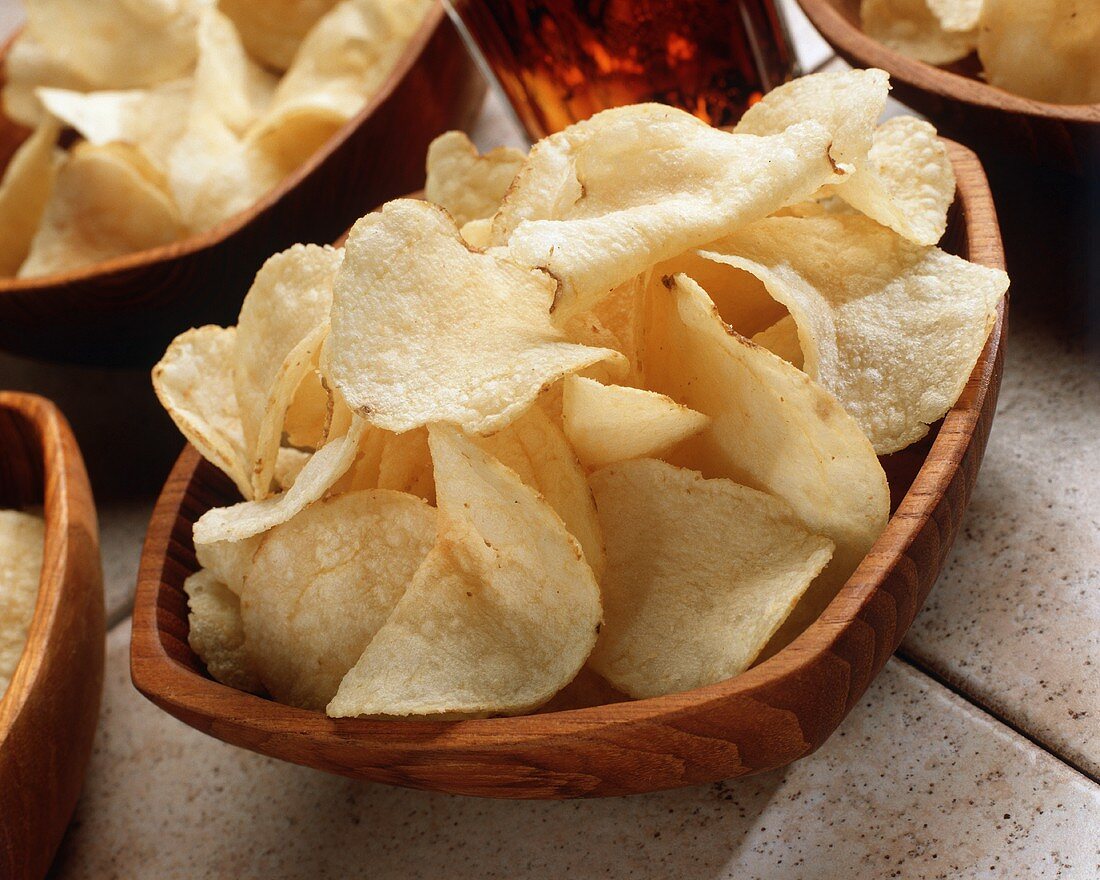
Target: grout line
(906, 658)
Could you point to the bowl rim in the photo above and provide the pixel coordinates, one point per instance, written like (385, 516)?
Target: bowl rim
(215, 235)
(193, 696)
(848, 39)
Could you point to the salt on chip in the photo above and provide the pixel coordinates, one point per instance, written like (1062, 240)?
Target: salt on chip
(103, 204)
(321, 585)
(782, 339)
(700, 575)
(216, 634)
(467, 185)
(891, 329)
(535, 448)
(24, 192)
(272, 30)
(29, 66)
(225, 77)
(1048, 50)
(910, 27)
(605, 199)
(500, 616)
(906, 181)
(772, 428)
(194, 383)
(610, 423)
(425, 330)
(22, 540)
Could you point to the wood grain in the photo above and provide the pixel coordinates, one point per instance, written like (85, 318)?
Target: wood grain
(990, 120)
(771, 715)
(48, 715)
(126, 310)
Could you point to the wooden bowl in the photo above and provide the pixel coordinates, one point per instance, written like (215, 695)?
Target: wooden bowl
(126, 310)
(990, 120)
(771, 715)
(48, 714)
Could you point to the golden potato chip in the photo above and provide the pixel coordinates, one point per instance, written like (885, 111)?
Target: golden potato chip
(24, 191)
(610, 423)
(500, 616)
(22, 539)
(700, 574)
(909, 27)
(103, 205)
(321, 585)
(891, 329)
(29, 66)
(781, 339)
(272, 30)
(225, 77)
(366, 467)
(249, 518)
(535, 448)
(194, 383)
(656, 181)
(906, 182)
(288, 464)
(478, 233)
(847, 103)
(216, 634)
(1048, 50)
(469, 186)
(772, 428)
(405, 464)
(228, 561)
(425, 330)
(957, 15)
(308, 411)
(119, 44)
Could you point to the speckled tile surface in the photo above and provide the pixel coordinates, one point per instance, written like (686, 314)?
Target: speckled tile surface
(915, 784)
(1015, 618)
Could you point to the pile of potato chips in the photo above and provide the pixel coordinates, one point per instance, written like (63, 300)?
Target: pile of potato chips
(187, 112)
(1048, 50)
(21, 544)
(610, 411)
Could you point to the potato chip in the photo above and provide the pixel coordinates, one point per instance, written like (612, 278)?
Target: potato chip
(469, 186)
(272, 30)
(772, 428)
(478, 233)
(28, 66)
(103, 205)
(119, 44)
(535, 448)
(194, 383)
(304, 426)
(24, 192)
(366, 467)
(700, 574)
(610, 423)
(499, 617)
(228, 561)
(405, 464)
(891, 329)
(906, 182)
(847, 103)
(909, 27)
(605, 199)
(782, 339)
(957, 15)
(1048, 50)
(225, 77)
(22, 540)
(288, 464)
(216, 633)
(321, 585)
(425, 330)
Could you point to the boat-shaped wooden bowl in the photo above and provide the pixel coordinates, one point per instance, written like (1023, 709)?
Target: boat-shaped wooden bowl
(992, 121)
(48, 714)
(775, 713)
(126, 310)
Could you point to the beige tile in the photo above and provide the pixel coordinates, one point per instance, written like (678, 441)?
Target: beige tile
(1014, 621)
(916, 784)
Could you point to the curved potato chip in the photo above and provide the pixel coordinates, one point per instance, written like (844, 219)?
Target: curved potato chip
(610, 423)
(22, 541)
(847, 103)
(426, 330)
(321, 585)
(536, 450)
(307, 413)
(288, 464)
(782, 339)
(194, 383)
(24, 192)
(500, 616)
(225, 77)
(29, 66)
(272, 30)
(469, 186)
(569, 211)
(216, 634)
(700, 574)
(772, 428)
(228, 561)
(906, 182)
(1048, 50)
(405, 464)
(103, 205)
(891, 329)
(909, 27)
(957, 15)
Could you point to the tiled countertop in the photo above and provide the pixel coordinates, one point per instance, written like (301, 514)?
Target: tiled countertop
(974, 754)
